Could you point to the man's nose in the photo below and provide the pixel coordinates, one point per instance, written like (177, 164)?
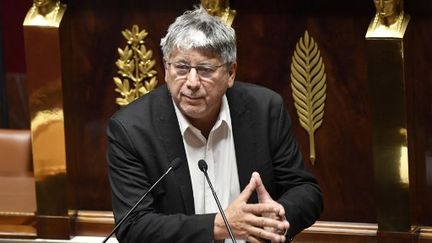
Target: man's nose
(193, 79)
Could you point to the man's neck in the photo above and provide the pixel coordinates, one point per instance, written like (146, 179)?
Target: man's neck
(206, 125)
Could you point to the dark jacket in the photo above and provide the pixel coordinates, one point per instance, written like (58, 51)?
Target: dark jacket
(144, 137)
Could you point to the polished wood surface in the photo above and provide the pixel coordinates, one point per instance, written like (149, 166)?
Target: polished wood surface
(17, 225)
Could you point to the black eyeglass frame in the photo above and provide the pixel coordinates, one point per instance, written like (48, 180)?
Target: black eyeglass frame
(203, 70)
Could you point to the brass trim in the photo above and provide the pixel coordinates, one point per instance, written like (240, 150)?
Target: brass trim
(345, 228)
(308, 83)
(425, 233)
(135, 66)
(24, 214)
(101, 217)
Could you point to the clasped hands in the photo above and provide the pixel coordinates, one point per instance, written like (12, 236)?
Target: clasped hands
(253, 222)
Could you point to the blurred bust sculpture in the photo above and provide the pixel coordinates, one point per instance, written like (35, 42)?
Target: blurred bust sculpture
(220, 8)
(45, 13)
(390, 19)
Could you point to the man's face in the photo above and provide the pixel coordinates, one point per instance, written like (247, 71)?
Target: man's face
(198, 92)
(387, 8)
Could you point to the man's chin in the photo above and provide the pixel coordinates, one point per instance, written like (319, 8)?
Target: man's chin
(193, 112)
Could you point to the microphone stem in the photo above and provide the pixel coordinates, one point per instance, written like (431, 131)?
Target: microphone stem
(220, 208)
(136, 204)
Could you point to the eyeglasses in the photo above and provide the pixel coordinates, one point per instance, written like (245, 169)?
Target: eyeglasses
(204, 71)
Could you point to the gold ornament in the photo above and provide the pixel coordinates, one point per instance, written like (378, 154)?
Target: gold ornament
(221, 9)
(308, 83)
(135, 66)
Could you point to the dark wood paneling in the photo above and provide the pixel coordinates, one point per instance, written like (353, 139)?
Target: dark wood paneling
(266, 40)
(343, 142)
(17, 101)
(419, 97)
(91, 39)
(3, 104)
(12, 14)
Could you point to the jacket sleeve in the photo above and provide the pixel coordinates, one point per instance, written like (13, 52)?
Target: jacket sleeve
(297, 189)
(129, 181)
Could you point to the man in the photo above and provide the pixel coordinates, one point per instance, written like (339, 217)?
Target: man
(241, 130)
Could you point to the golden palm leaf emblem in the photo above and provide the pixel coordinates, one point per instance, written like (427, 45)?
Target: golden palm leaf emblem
(308, 83)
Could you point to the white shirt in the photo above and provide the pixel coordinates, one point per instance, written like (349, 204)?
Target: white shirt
(219, 153)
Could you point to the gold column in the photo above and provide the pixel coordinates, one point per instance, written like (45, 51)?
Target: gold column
(388, 99)
(42, 47)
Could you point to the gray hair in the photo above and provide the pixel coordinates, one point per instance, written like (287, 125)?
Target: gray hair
(197, 29)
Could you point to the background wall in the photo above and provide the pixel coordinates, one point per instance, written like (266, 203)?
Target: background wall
(15, 114)
(266, 38)
(267, 35)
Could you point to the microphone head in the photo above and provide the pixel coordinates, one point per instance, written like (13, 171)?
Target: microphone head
(175, 163)
(202, 165)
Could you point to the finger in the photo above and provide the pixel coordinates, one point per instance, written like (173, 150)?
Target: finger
(252, 239)
(267, 235)
(264, 222)
(262, 208)
(248, 190)
(286, 225)
(281, 211)
(263, 195)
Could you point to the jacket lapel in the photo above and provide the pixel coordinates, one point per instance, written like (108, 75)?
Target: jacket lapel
(172, 139)
(244, 134)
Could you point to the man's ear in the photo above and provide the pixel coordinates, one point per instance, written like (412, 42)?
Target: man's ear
(166, 71)
(232, 70)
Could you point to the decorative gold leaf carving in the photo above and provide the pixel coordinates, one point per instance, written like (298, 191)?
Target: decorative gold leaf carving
(135, 67)
(308, 83)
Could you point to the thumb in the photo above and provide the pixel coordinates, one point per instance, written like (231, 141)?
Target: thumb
(262, 193)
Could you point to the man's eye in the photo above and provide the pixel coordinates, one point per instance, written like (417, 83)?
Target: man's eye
(205, 69)
(182, 67)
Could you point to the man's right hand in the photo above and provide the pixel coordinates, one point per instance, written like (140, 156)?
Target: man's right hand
(247, 221)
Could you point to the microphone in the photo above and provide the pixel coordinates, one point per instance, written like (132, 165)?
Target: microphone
(203, 167)
(173, 166)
